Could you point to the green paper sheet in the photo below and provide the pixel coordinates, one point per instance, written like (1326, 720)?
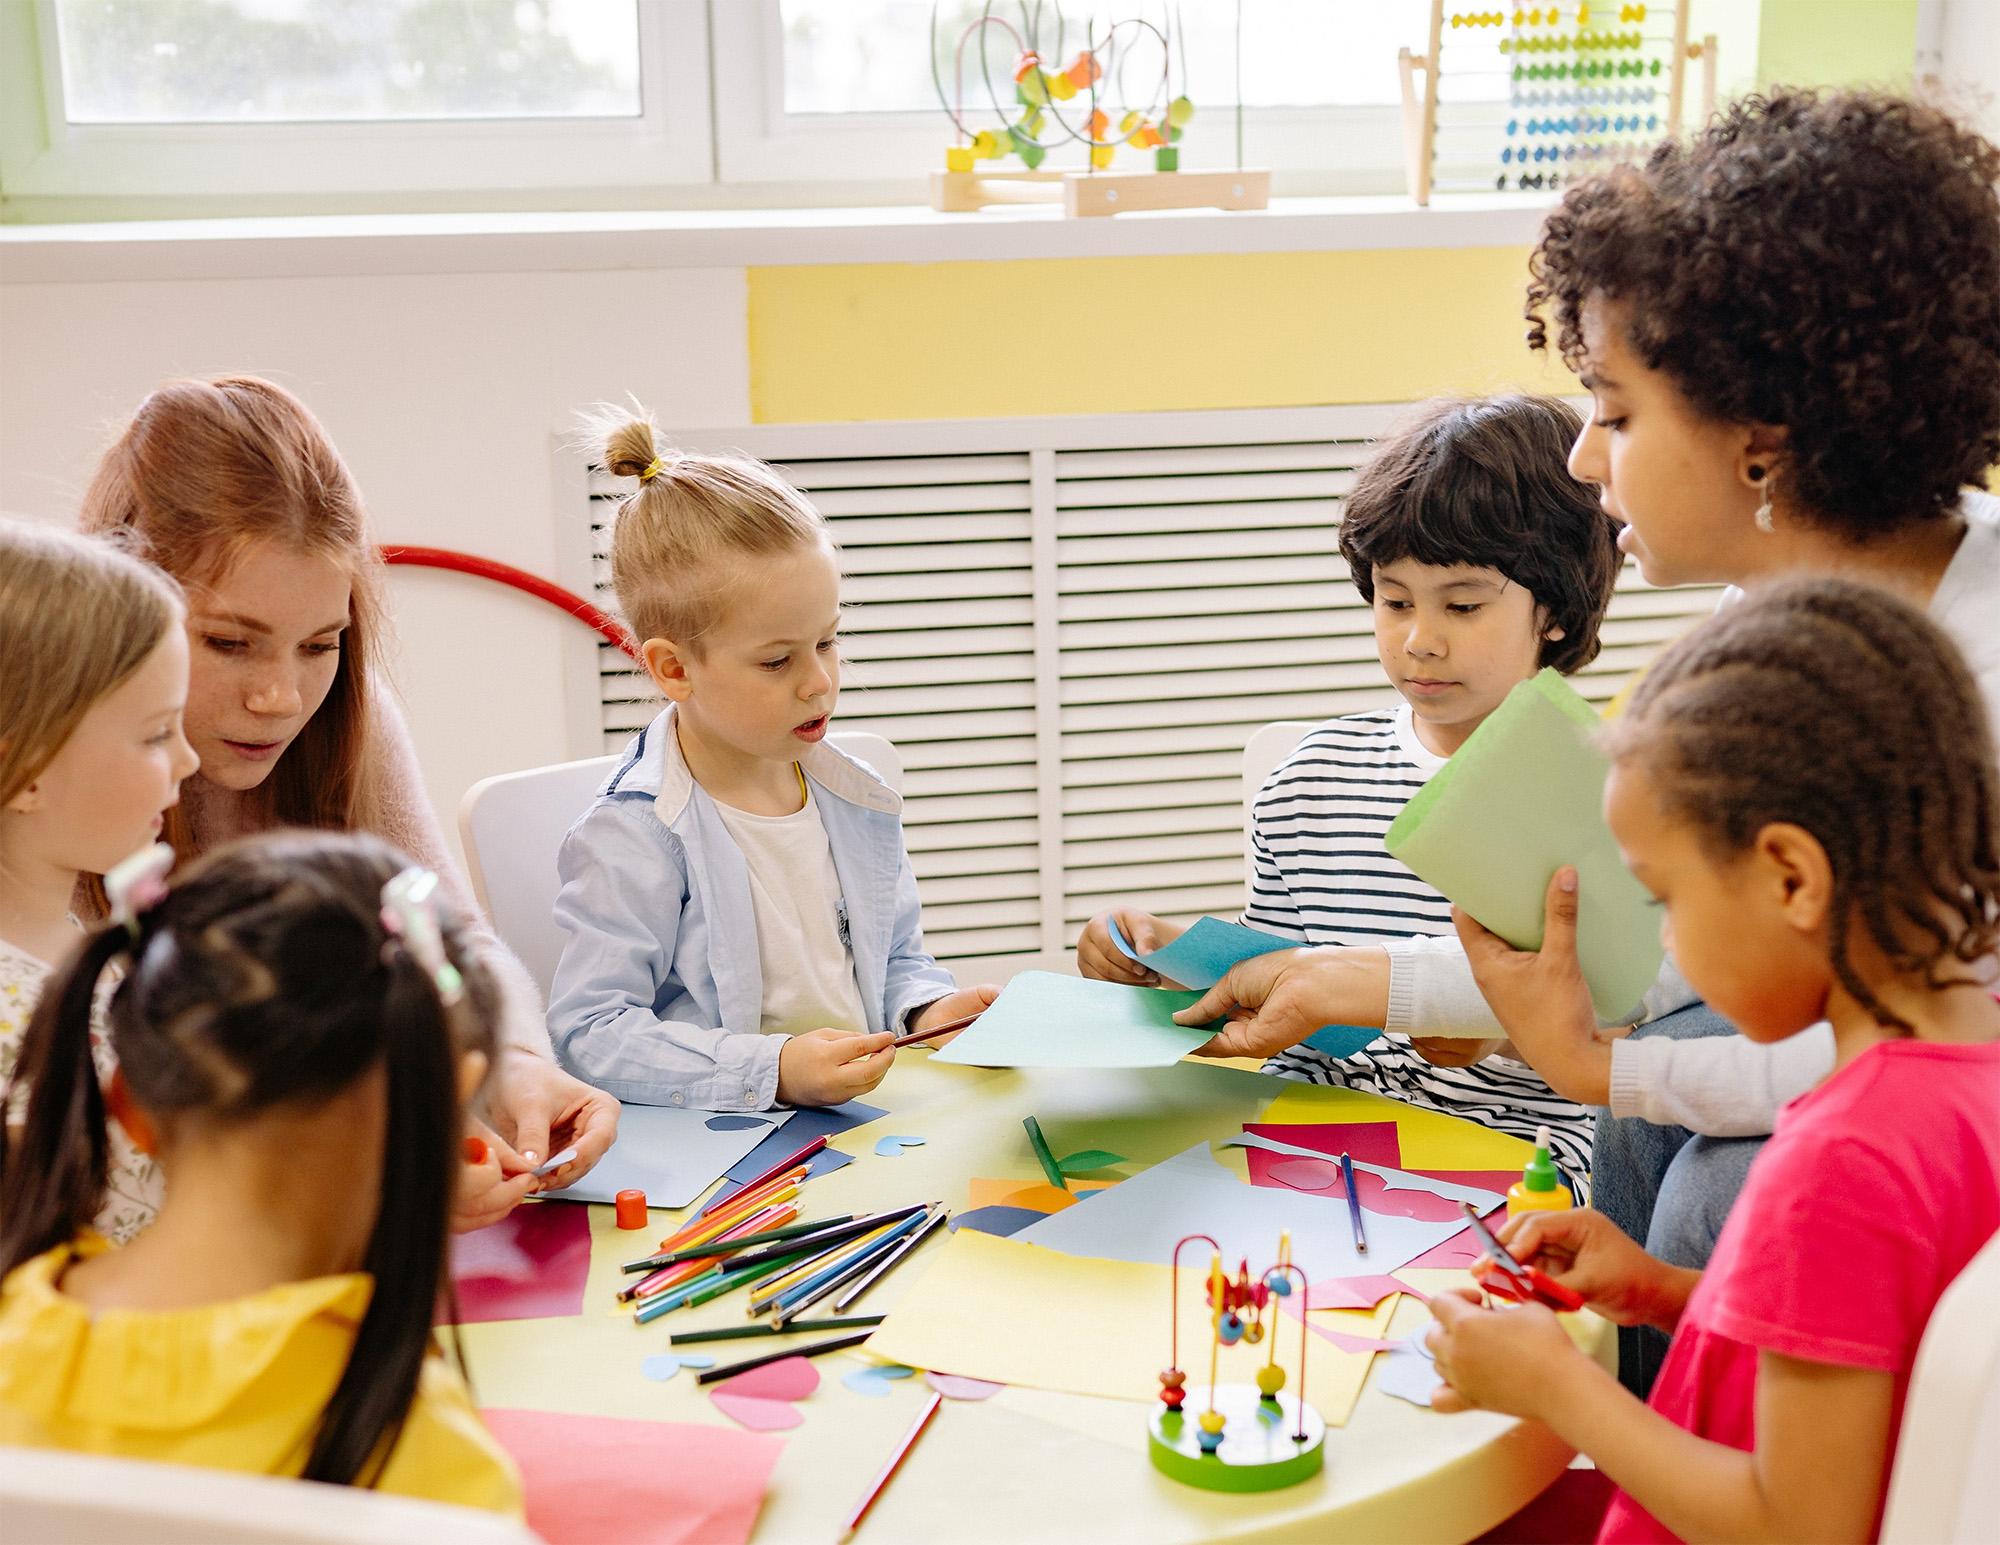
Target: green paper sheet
(1524, 796)
(1044, 1020)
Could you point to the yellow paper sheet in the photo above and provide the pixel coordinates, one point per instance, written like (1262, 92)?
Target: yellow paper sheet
(1015, 1313)
(1430, 1139)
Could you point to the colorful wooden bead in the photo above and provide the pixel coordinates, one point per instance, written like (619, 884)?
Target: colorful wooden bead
(958, 158)
(986, 145)
(1270, 1379)
(1179, 111)
(1061, 87)
(1166, 159)
(1031, 89)
(1084, 70)
(1025, 64)
(1099, 124)
(1212, 1420)
(1253, 1332)
(1101, 155)
(1229, 1329)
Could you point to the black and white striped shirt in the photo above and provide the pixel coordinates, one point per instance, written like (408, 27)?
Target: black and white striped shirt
(1323, 875)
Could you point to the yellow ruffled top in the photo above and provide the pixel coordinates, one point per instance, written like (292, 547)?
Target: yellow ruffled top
(237, 1385)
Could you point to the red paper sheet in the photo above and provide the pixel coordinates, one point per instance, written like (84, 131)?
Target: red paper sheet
(593, 1479)
(531, 1265)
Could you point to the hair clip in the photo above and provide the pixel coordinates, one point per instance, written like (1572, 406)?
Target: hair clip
(410, 913)
(653, 469)
(137, 883)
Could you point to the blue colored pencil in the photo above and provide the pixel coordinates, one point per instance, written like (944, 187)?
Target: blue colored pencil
(1353, 1204)
(807, 1290)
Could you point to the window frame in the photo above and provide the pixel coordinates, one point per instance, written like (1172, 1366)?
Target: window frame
(43, 156)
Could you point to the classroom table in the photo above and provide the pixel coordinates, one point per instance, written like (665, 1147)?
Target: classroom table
(1026, 1465)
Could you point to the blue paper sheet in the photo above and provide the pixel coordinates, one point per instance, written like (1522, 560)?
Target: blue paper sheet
(669, 1152)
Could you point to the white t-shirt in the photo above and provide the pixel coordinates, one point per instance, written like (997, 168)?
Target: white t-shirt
(801, 933)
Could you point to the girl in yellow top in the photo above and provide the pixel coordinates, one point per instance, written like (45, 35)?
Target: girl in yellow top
(295, 1027)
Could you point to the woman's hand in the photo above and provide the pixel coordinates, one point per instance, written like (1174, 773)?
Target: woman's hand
(1097, 956)
(1504, 1360)
(955, 1005)
(1276, 1000)
(541, 1110)
(1595, 1259)
(491, 1181)
(1541, 997)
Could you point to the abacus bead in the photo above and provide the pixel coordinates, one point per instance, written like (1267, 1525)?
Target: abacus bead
(1211, 1421)
(1270, 1379)
(1172, 1398)
(1173, 1378)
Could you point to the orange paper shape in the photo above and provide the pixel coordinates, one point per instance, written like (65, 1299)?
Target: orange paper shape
(1033, 1195)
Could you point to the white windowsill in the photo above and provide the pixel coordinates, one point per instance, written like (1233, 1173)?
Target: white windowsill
(298, 246)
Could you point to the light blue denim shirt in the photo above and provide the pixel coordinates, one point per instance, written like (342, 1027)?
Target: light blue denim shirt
(659, 993)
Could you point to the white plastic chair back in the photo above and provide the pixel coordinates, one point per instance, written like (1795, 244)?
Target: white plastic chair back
(1269, 745)
(1946, 1484)
(513, 824)
(53, 1498)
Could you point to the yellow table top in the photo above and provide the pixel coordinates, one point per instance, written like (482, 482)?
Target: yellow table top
(1029, 1464)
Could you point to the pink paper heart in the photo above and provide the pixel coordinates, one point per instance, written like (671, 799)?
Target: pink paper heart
(955, 1386)
(758, 1414)
(1306, 1174)
(1348, 1343)
(790, 1378)
(1352, 1292)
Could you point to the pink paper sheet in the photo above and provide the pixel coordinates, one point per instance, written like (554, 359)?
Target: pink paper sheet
(531, 1265)
(590, 1479)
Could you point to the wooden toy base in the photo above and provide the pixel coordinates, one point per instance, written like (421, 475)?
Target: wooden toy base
(1101, 193)
(1260, 1449)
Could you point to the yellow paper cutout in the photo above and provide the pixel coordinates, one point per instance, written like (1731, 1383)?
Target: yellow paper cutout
(1015, 1313)
(1429, 1139)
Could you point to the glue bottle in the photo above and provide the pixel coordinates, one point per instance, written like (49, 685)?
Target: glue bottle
(1540, 1188)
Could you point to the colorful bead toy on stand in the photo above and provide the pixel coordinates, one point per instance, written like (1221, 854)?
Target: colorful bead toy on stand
(1241, 1438)
(1057, 105)
(1571, 58)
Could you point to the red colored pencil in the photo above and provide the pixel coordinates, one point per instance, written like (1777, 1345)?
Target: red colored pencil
(951, 1027)
(782, 1165)
(895, 1460)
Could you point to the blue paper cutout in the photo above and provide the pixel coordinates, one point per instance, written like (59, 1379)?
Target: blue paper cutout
(874, 1381)
(997, 1219)
(736, 1123)
(805, 1125)
(892, 1147)
(662, 1366)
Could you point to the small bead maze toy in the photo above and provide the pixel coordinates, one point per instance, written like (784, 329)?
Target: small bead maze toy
(1233, 1437)
(1585, 87)
(1036, 103)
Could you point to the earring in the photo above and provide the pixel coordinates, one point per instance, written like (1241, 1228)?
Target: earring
(1763, 516)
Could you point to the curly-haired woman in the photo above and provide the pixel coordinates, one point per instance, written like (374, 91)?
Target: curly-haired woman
(1790, 328)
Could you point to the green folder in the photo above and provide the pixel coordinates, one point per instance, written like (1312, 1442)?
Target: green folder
(1524, 796)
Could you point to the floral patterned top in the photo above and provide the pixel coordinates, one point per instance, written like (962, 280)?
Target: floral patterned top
(133, 1183)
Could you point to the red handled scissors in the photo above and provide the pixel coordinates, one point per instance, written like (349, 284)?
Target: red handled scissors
(1504, 1277)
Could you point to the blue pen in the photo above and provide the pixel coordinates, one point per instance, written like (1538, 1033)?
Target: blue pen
(1353, 1204)
(799, 1293)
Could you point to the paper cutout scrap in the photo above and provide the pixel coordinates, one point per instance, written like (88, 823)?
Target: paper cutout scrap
(873, 1381)
(1384, 1191)
(1520, 799)
(1007, 1312)
(1305, 1174)
(805, 1125)
(1088, 1159)
(1203, 954)
(1352, 1292)
(662, 1366)
(733, 1123)
(670, 1153)
(1408, 1372)
(1045, 1020)
(531, 1265)
(1368, 1344)
(1340, 1041)
(593, 1478)
(956, 1386)
(988, 1192)
(1427, 1139)
(762, 1398)
(997, 1220)
(892, 1147)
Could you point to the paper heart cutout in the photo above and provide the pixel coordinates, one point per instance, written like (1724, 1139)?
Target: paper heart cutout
(662, 1366)
(890, 1147)
(874, 1381)
(761, 1398)
(956, 1386)
(758, 1415)
(1377, 1196)
(1002, 1221)
(734, 1123)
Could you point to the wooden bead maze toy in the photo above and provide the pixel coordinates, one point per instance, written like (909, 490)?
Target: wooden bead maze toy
(1237, 1437)
(1101, 95)
(1525, 98)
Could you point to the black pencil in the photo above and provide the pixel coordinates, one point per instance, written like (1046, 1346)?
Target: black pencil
(833, 1344)
(793, 1328)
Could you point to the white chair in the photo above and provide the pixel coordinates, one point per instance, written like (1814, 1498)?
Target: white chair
(1269, 745)
(1946, 1484)
(513, 824)
(51, 1498)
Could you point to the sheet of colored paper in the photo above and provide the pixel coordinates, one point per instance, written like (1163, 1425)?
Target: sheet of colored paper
(1006, 1311)
(1521, 798)
(1202, 956)
(805, 1125)
(1139, 1220)
(591, 1478)
(671, 1153)
(1430, 1140)
(531, 1265)
(1381, 1199)
(1045, 1020)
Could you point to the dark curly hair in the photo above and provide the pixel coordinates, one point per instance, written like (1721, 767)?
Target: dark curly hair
(1485, 482)
(1824, 261)
(1839, 708)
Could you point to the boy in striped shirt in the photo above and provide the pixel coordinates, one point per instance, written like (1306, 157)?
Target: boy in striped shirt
(1483, 561)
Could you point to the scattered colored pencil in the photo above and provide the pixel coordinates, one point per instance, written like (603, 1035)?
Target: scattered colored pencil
(914, 1037)
(1353, 1204)
(797, 1299)
(801, 1157)
(747, 1241)
(904, 1249)
(789, 1328)
(696, 1265)
(881, 1481)
(840, 1251)
(816, 1349)
(834, 1236)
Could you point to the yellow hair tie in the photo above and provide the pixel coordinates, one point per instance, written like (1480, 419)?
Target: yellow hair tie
(653, 469)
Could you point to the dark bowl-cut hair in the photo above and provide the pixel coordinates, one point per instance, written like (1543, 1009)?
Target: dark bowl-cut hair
(1485, 482)
(1827, 262)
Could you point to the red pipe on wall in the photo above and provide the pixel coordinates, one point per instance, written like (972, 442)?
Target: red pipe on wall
(611, 629)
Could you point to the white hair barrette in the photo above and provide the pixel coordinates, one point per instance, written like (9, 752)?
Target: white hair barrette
(136, 883)
(410, 913)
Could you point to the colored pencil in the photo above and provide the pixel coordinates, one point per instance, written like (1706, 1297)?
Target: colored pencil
(712, 1284)
(881, 1482)
(789, 1328)
(840, 1250)
(914, 1037)
(816, 1287)
(763, 1237)
(801, 1157)
(1353, 1205)
(831, 1236)
(695, 1230)
(816, 1349)
(668, 1276)
(904, 1249)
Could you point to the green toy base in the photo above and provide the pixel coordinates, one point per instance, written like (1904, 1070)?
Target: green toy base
(1260, 1449)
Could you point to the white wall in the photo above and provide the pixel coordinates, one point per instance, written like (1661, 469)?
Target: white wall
(443, 391)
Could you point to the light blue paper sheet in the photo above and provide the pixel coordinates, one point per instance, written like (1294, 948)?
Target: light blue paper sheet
(1045, 1020)
(671, 1153)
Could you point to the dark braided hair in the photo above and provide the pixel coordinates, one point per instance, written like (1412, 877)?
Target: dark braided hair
(1838, 708)
(265, 978)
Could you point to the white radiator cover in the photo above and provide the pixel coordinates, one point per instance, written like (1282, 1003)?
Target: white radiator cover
(1070, 627)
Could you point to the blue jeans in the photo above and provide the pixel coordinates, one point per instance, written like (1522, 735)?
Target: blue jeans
(1667, 1188)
